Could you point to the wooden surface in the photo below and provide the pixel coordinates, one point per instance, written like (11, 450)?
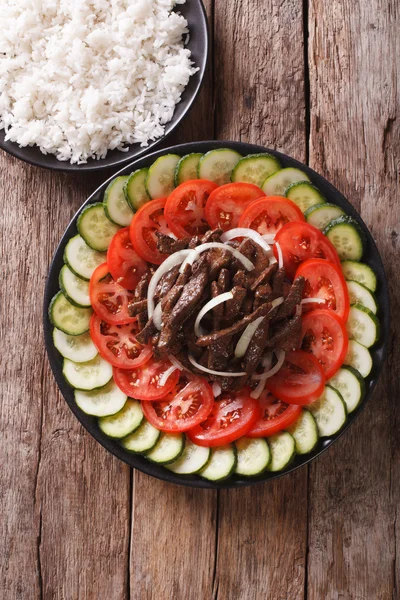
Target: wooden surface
(320, 81)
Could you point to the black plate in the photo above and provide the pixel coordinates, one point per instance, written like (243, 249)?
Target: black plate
(378, 351)
(194, 13)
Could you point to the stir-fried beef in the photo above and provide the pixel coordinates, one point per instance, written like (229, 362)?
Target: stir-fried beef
(215, 271)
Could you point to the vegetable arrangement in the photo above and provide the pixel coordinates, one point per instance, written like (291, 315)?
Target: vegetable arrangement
(213, 314)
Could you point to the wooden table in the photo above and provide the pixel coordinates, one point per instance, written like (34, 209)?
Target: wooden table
(317, 80)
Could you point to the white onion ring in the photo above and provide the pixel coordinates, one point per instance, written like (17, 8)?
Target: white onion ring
(269, 238)
(280, 355)
(277, 302)
(212, 372)
(209, 246)
(167, 265)
(248, 233)
(280, 255)
(312, 300)
(246, 336)
(163, 379)
(176, 362)
(266, 363)
(209, 306)
(216, 388)
(157, 316)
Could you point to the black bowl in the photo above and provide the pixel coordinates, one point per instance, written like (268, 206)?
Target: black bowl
(378, 351)
(195, 14)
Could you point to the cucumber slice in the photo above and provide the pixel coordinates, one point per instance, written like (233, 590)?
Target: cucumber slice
(359, 294)
(222, 463)
(116, 207)
(356, 271)
(161, 176)
(143, 439)
(329, 412)
(304, 194)
(168, 448)
(362, 325)
(283, 450)
(350, 384)
(193, 459)
(91, 375)
(253, 456)
(69, 318)
(217, 165)
(277, 184)
(95, 228)
(103, 402)
(81, 259)
(321, 215)
(135, 189)
(347, 237)
(359, 357)
(304, 432)
(187, 168)
(124, 421)
(78, 348)
(74, 288)
(255, 168)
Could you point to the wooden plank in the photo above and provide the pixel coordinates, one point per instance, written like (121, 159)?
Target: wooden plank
(173, 532)
(354, 488)
(259, 95)
(66, 534)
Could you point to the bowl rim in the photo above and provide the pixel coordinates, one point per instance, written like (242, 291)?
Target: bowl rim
(379, 350)
(123, 158)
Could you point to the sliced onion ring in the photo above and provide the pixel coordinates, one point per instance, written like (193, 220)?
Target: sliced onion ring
(173, 360)
(163, 379)
(269, 238)
(266, 363)
(308, 301)
(212, 372)
(209, 306)
(248, 233)
(167, 265)
(280, 255)
(157, 316)
(216, 388)
(209, 246)
(280, 355)
(246, 336)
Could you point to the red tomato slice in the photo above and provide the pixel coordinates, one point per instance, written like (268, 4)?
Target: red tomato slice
(184, 210)
(325, 335)
(301, 241)
(275, 416)
(269, 214)
(232, 416)
(142, 230)
(125, 264)
(300, 380)
(182, 409)
(325, 280)
(117, 344)
(109, 299)
(227, 203)
(142, 383)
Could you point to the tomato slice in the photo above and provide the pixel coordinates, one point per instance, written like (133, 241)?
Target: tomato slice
(325, 280)
(142, 382)
(232, 416)
(118, 345)
(184, 210)
(269, 214)
(227, 203)
(301, 241)
(109, 299)
(299, 381)
(324, 334)
(125, 264)
(275, 416)
(142, 230)
(183, 409)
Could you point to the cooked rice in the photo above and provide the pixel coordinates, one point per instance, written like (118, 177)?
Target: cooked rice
(81, 77)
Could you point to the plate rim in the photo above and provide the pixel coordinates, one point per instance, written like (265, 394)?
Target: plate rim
(139, 462)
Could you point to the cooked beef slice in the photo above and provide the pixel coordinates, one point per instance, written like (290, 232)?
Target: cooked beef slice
(168, 245)
(194, 241)
(140, 292)
(142, 319)
(294, 297)
(287, 335)
(214, 235)
(147, 332)
(223, 280)
(261, 295)
(265, 276)
(166, 282)
(256, 347)
(277, 284)
(232, 307)
(261, 261)
(217, 259)
(240, 278)
(135, 308)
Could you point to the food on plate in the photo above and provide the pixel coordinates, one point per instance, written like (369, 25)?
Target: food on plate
(220, 334)
(78, 79)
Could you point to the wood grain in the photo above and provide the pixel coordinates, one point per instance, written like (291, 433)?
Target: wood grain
(354, 142)
(259, 93)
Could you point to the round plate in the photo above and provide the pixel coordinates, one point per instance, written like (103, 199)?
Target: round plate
(195, 14)
(378, 351)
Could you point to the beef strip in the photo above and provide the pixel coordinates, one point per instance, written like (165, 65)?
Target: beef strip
(287, 309)
(239, 326)
(232, 307)
(147, 332)
(168, 245)
(166, 282)
(247, 305)
(265, 276)
(278, 281)
(287, 336)
(261, 295)
(142, 319)
(194, 241)
(240, 278)
(223, 280)
(140, 292)
(214, 235)
(217, 259)
(256, 347)
(261, 261)
(137, 307)
(247, 248)
(217, 311)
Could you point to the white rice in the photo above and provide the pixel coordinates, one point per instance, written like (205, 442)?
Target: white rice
(81, 77)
